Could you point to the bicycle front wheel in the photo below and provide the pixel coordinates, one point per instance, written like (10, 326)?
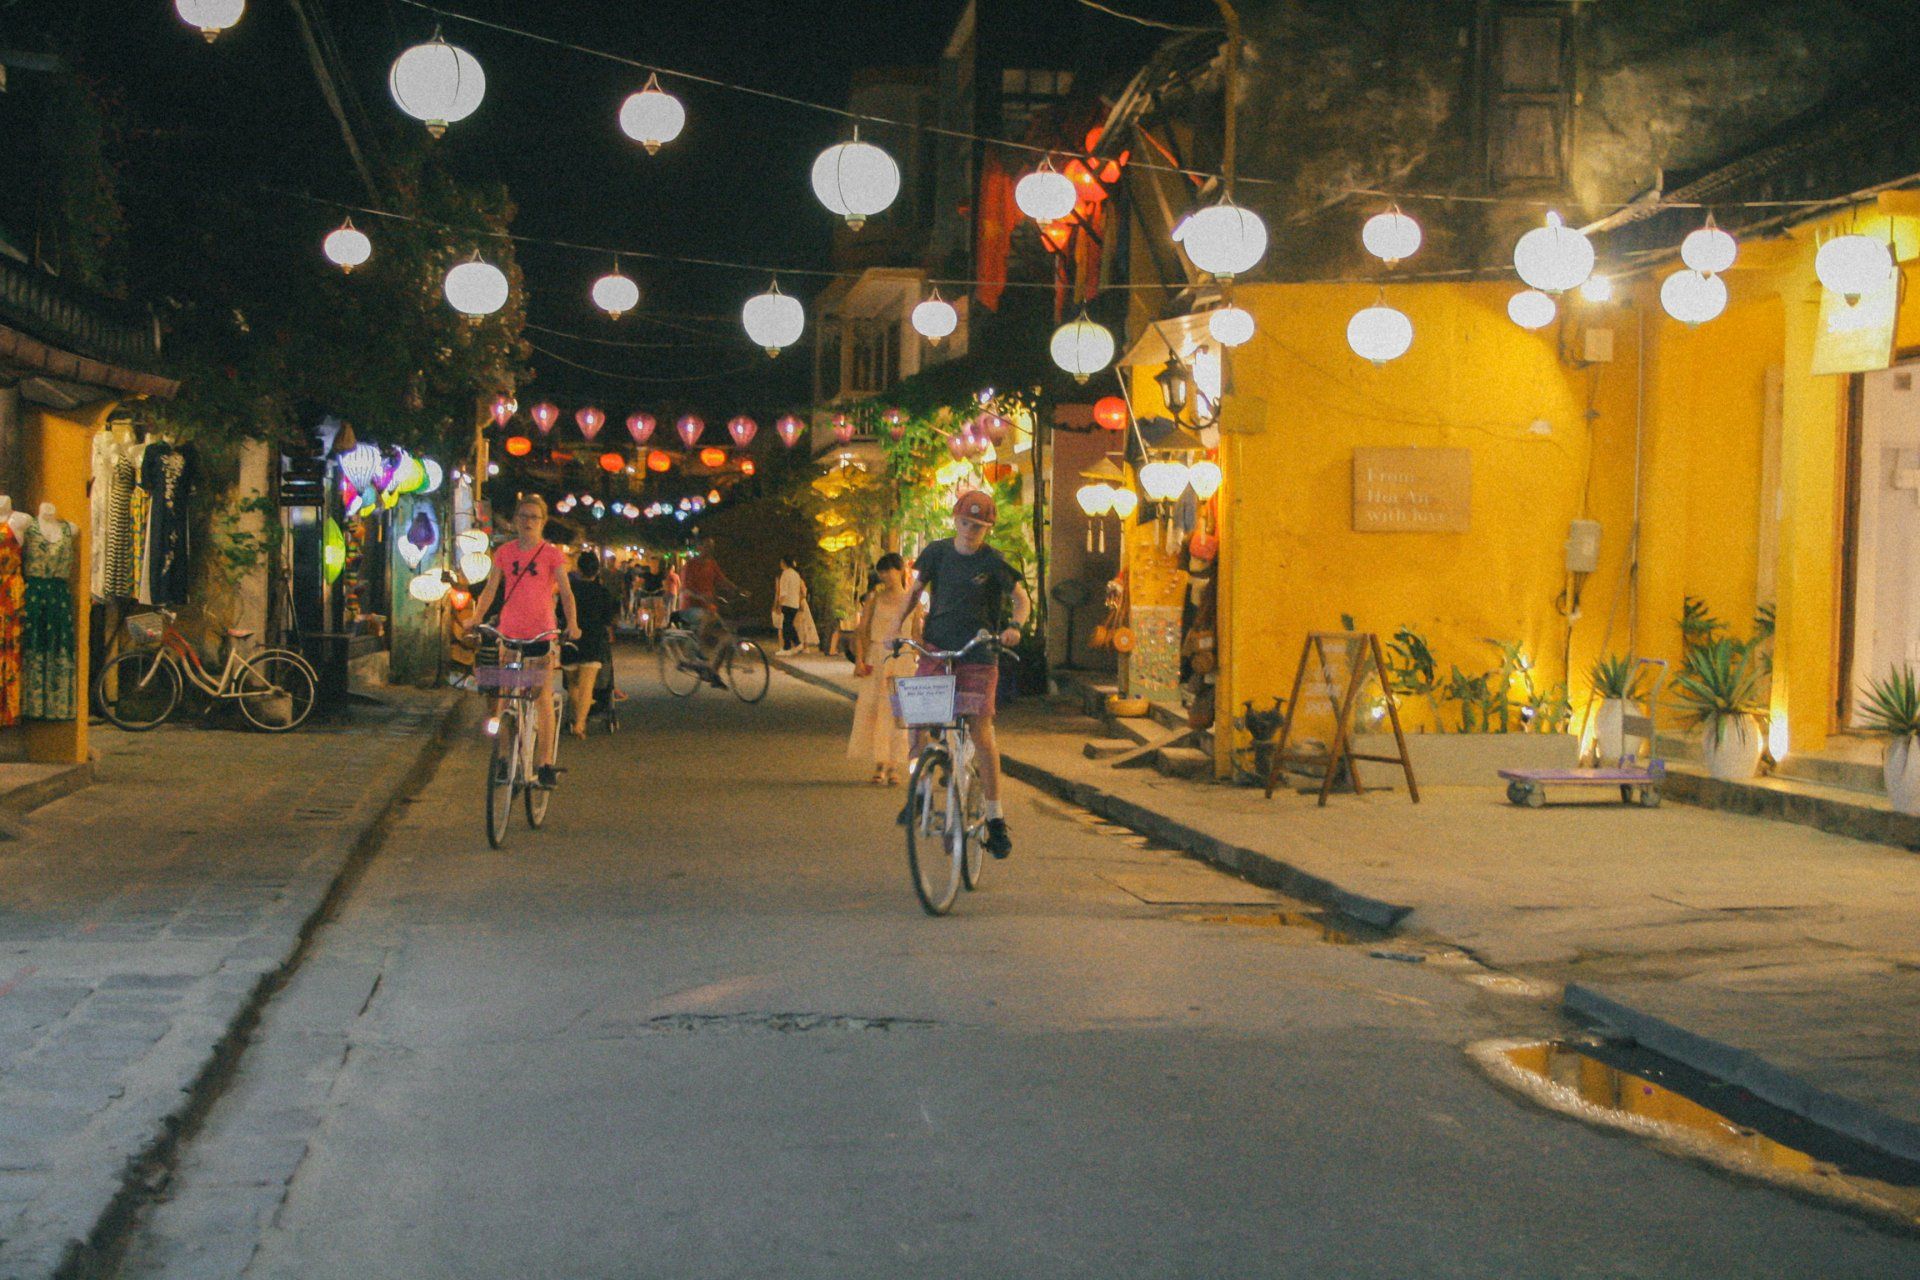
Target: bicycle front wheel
(930, 854)
(137, 690)
(538, 797)
(747, 671)
(678, 670)
(503, 770)
(277, 691)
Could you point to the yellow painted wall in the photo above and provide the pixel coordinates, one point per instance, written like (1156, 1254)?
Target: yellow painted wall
(58, 450)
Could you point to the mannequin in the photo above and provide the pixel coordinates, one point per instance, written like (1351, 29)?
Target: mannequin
(52, 527)
(48, 633)
(14, 520)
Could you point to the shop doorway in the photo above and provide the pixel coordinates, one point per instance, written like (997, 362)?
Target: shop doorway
(1882, 613)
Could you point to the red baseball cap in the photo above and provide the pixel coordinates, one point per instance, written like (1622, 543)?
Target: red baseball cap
(975, 505)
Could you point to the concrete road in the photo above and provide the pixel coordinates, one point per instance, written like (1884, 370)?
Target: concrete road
(699, 1027)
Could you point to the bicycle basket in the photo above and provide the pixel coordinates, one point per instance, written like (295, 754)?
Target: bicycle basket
(920, 701)
(146, 628)
(510, 679)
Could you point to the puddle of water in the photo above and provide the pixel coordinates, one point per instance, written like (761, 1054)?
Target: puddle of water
(1323, 928)
(1629, 1088)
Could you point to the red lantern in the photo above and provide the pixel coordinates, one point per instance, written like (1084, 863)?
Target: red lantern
(789, 427)
(459, 597)
(503, 409)
(742, 429)
(659, 460)
(612, 463)
(746, 466)
(957, 445)
(544, 416)
(640, 426)
(1111, 413)
(690, 426)
(589, 420)
(518, 446)
(842, 428)
(713, 456)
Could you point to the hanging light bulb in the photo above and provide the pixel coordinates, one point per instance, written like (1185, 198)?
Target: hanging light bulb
(1391, 236)
(1205, 477)
(615, 294)
(1693, 298)
(1046, 195)
(1853, 265)
(1709, 250)
(347, 247)
(856, 180)
(437, 83)
(935, 318)
(210, 17)
(1082, 347)
(1223, 240)
(476, 289)
(1230, 326)
(1379, 333)
(652, 116)
(1554, 258)
(1531, 309)
(773, 320)
(1597, 289)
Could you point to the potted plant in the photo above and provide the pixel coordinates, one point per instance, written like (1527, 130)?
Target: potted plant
(1892, 711)
(1718, 689)
(1616, 682)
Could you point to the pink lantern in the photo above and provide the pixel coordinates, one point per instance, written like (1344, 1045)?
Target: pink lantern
(589, 420)
(842, 428)
(690, 426)
(544, 416)
(503, 409)
(992, 426)
(640, 426)
(896, 420)
(742, 429)
(789, 428)
(958, 446)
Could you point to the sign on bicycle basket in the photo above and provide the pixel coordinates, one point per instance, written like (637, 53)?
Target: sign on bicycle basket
(924, 700)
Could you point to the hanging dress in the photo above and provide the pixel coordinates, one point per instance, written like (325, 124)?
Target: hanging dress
(48, 637)
(12, 588)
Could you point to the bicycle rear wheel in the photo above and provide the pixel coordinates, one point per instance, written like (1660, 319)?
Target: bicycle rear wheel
(277, 692)
(747, 671)
(930, 854)
(677, 668)
(137, 690)
(972, 833)
(503, 769)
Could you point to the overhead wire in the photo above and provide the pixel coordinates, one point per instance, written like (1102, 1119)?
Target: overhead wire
(1156, 23)
(634, 377)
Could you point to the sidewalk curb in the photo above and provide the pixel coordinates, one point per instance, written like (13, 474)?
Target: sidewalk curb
(145, 1173)
(1748, 1070)
(1259, 868)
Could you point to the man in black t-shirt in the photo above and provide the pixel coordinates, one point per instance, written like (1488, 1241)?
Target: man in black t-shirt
(969, 583)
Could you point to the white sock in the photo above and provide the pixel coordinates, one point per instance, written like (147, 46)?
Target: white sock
(993, 810)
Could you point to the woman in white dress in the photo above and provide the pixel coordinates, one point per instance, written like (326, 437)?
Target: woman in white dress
(877, 736)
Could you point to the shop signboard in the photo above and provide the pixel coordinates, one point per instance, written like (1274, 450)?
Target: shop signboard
(1412, 490)
(1856, 337)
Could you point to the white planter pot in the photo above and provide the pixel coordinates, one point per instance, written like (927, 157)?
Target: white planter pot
(1609, 731)
(1903, 776)
(1733, 755)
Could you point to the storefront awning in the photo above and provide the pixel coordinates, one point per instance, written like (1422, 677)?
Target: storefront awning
(1162, 340)
(73, 378)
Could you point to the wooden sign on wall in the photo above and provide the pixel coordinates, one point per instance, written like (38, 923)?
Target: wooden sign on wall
(1412, 490)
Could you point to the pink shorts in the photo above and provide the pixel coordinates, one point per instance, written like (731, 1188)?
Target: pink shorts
(975, 684)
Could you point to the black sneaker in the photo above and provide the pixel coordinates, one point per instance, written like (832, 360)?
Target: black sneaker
(548, 777)
(905, 815)
(998, 842)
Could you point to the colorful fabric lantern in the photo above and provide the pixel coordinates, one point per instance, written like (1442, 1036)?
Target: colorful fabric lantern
(713, 456)
(789, 428)
(742, 429)
(1110, 412)
(517, 446)
(659, 460)
(640, 426)
(589, 420)
(502, 410)
(544, 416)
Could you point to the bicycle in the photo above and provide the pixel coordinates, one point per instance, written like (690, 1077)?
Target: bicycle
(137, 690)
(739, 665)
(946, 806)
(511, 772)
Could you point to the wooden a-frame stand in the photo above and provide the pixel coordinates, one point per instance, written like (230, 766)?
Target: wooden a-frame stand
(1364, 659)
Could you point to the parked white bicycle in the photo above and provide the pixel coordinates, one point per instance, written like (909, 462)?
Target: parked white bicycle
(275, 688)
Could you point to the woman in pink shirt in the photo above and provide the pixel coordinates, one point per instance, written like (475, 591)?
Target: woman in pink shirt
(528, 574)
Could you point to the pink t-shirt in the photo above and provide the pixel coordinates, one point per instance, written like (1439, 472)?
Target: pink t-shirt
(529, 585)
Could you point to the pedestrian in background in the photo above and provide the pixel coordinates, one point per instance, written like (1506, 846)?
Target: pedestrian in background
(877, 735)
(790, 597)
(595, 607)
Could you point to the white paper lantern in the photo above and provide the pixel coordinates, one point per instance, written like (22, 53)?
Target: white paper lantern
(1532, 309)
(855, 180)
(1379, 333)
(1554, 258)
(436, 475)
(470, 542)
(615, 294)
(428, 588)
(1223, 240)
(1095, 499)
(1082, 347)
(1204, 476)
(1693, 298)
(1163, 480)
(1597, 289)
(438, 83)
(1046, 195)
(1709, 250)
(1125, 502)
(935, 318)
(475, 566)
(347, 247)
(773, 320)
(476, 288)
(1391, 236)
(652, 116)
(1853, 265)
(210, 17)
(1230, 326)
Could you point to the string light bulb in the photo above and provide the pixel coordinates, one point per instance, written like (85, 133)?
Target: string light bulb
(437, 83)
(652, 117)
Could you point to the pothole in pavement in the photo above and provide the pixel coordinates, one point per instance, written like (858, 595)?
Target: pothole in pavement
(1686, 1112)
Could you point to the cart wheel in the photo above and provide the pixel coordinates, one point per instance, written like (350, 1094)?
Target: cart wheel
(1649, 797)
(1626, 794)
(1536, 798)
(1517, 792)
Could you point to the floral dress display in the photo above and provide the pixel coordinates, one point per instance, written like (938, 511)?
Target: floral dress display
(11, 589)
(48, 636)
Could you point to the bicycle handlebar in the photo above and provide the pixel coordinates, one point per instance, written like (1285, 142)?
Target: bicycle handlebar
(943, 655)
(481, 628)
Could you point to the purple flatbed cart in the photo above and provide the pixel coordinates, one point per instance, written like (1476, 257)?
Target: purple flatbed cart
(1638, 777)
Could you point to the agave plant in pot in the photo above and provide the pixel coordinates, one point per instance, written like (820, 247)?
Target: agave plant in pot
(1892, 710)
(1719, 689)
(1616, 681)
